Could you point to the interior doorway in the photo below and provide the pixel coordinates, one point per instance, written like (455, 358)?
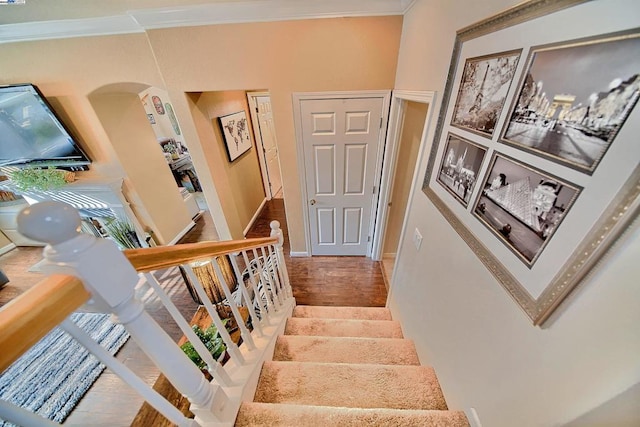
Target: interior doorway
(414, 116)
(340, 136)
(163, 121)
(266, 143)
(408, 125)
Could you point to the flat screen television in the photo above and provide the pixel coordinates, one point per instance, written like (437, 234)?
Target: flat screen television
(31, 134)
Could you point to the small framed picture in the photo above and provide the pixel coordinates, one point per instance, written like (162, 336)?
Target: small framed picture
(523, 206)
(235, 130)
(152, 119)
(483, 91)
(460, 166)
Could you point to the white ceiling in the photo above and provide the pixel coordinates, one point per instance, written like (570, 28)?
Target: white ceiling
(46, 19)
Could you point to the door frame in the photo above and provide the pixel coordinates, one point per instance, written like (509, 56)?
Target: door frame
(298, 97)
(255, 124)
(396, 117)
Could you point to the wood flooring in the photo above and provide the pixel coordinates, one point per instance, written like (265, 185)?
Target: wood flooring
(335, 281)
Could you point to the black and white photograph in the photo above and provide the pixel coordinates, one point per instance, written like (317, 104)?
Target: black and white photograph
(461, 162)
(523, 206)
(235, 131)
(483, 90)
(575, 98)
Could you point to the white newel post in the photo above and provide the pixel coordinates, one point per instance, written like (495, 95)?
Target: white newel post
(276, 231)
(111, 280)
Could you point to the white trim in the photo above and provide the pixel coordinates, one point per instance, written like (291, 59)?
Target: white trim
(297, 121)
(68, 28)
(181, 234)
(7, 248)
(293, 254)
(138, 21)
(407, 5)
(417, 173)
(396, 117)
(257, 136)
(255, 216)
(472, 416)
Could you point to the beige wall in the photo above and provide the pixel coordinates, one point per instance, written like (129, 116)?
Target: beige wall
(282, 57)
(239, 183)
(69, 72)
(485, 351)
(409, 144)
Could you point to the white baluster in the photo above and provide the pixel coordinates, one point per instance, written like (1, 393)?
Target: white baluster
(264, 314)
(232, 348)
(245, 293)
(269, 272)
(20, 416)
(111, 280)
(215, 368)
(244, 332)
(276, 231)
(155, 399)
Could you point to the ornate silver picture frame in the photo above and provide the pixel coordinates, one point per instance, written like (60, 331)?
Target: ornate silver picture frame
(604, 203)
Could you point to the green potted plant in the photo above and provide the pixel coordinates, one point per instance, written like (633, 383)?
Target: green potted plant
(211, 340)
(30, 179)
(123, 233)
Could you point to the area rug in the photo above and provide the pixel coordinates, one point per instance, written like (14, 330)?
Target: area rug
(52, 377)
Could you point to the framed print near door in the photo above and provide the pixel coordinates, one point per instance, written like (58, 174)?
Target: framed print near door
(560, 179)
(235, 130)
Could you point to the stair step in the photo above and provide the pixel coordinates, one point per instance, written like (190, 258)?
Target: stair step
(384, 351)
(270, 414)
(350, 385)
(343, 328)
(366, 313)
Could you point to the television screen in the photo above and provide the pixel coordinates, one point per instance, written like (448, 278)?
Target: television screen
(32, 135)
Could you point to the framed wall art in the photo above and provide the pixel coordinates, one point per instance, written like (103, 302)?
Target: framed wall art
(554, 158)
(483, 90)
(460, 167)
(569, 115)
(235, 131)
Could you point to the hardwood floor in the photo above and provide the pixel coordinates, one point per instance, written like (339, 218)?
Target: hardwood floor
(327, 280)
(355, 281)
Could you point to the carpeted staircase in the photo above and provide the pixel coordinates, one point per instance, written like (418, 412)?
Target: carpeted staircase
(346, 366)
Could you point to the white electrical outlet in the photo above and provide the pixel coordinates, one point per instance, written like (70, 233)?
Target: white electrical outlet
(417, 239)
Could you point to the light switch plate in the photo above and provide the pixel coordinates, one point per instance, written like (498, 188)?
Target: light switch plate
(417, 239)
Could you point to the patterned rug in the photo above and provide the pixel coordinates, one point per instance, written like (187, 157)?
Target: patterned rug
(52, 377)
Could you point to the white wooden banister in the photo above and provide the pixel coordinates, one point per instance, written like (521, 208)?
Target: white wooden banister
(111, 280)
(110, 277)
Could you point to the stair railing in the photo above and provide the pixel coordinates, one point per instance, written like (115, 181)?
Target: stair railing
(110, 278)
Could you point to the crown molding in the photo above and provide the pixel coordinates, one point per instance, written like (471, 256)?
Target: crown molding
(138, 21)
(68, 28)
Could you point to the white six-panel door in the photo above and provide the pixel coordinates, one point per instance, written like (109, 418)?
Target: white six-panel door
(269, 144)
(340, 139)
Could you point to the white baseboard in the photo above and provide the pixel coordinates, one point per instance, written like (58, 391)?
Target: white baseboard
(472, 416)
(304, 254)
(181, 234)
(255, 216)
(7, 248)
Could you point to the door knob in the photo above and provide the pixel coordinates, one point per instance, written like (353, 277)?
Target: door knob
(312, 202)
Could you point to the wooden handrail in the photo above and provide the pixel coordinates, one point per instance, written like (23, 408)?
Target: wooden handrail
(150, 259)
(30, 316)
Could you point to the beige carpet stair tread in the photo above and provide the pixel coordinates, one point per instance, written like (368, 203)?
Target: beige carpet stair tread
(384, 351)
(350, 385)
(366, 313)
(343, 328)
(268, 414)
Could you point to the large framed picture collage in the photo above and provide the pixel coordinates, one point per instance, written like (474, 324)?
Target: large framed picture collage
(535, 155)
